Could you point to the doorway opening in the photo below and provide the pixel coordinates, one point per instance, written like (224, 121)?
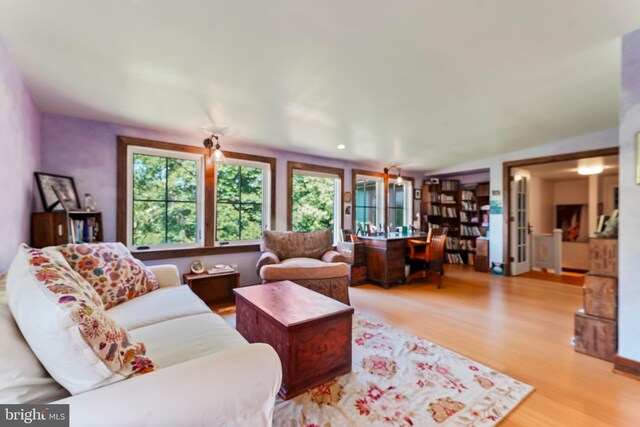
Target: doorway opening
(551, 210)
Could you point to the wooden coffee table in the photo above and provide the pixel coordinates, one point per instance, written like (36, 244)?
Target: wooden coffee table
(310, 332)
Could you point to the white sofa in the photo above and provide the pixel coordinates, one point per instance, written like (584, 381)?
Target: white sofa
(209, 375)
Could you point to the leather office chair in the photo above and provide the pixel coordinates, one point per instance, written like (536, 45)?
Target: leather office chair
(431, 253)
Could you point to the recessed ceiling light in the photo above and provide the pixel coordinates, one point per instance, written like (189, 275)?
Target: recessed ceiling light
(341, 147)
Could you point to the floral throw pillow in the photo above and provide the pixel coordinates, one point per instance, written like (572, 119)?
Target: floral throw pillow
(111, 269)
(69, 291)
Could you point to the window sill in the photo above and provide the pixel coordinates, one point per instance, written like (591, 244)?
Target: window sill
(191, 252)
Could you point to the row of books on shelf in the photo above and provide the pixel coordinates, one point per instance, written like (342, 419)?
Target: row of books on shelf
(467, 195)
(469, 206)
(83, 230)
(447, 198)
(455, 244)
(470, 217)
(467, 230)
(454, 258)
(443, 211)
(448, 185)
(434, 197)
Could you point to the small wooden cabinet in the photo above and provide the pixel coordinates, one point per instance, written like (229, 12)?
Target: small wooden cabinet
(54, 228)
(213, 289)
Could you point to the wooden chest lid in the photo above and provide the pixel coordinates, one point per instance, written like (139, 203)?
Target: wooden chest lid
(291, 304)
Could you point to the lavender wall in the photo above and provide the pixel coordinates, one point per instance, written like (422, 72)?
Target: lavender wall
(629, 281)
(86, 150)
(19, 157)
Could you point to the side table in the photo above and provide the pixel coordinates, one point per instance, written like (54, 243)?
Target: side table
(213, 288)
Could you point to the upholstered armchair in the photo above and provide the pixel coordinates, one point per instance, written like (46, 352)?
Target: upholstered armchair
(307, 259)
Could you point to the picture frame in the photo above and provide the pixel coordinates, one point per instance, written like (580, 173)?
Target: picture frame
(346, 234)
(48, 183)
(347, 196)
(417, 194)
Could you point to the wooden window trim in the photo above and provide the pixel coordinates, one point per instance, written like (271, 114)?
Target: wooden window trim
(291, 166)
(209, 198)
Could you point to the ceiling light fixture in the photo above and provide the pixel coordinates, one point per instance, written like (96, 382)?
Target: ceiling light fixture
(341, 147)
(217, 154)
(216, 132)
(399, 179)
(591, 166)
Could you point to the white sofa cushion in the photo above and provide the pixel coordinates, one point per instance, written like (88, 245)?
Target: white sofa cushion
(158, 306)
(185, 338)
(63, 321)
(22, 378)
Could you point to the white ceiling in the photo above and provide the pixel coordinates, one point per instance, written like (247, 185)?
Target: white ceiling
(425, 84)
(561, 171)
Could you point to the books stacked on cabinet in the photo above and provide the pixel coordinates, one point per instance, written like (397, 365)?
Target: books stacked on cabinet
(83, 229)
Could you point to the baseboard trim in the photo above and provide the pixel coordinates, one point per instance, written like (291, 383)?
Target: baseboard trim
(626, 367)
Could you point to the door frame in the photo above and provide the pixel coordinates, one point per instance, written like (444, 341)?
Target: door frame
(506, 190)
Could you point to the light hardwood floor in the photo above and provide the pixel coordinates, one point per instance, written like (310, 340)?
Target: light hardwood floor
(521, 327)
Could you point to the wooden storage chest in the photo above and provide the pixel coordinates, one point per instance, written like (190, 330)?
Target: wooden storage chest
(596, 336)
(603, 257)
(310, 332)
(601, 296)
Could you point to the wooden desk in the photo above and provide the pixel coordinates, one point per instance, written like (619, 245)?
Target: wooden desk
(386, 257)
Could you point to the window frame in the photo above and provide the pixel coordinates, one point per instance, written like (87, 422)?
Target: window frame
(408, 215)
(132, 150)
(209, 208)
(381, 210)
(316, 170)
(267, 196)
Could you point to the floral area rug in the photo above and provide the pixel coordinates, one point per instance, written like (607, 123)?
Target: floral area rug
(398, 379)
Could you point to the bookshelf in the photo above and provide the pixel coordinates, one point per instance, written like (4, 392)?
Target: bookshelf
(60, 227)
(464, 210)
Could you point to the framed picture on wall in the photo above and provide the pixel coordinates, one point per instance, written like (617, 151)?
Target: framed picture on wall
(417, 194)
(50, 184)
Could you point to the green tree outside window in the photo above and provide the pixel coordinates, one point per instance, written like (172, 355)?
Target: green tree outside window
(164, 200)
(312, 202)
(239, 202)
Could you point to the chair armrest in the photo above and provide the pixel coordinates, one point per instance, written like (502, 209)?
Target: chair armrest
(167, 275)
(265, 259)
(237, 387)
(333, 256)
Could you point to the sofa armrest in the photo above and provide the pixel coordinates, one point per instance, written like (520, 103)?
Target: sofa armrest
(265, 259)
(237, 387)
(333, 256)
(167, 275)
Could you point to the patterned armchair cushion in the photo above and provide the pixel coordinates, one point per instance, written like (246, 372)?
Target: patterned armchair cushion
(289, 244)
(111, 269)
(63, 319)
